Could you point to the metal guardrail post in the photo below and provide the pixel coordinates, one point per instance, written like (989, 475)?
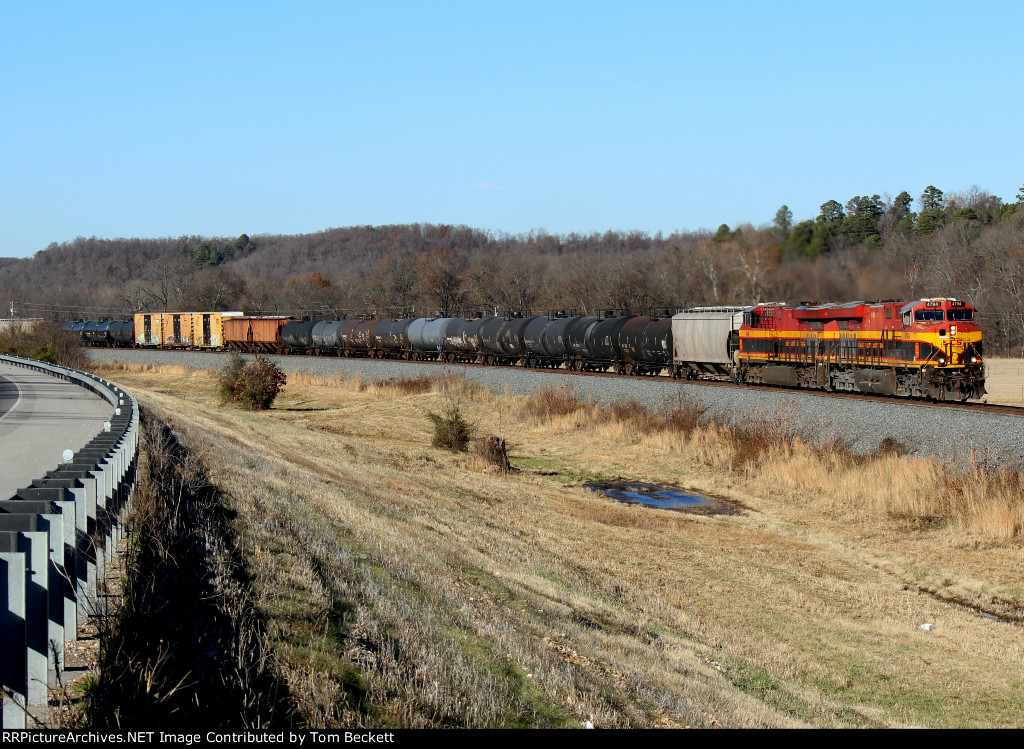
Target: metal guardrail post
(49, 565)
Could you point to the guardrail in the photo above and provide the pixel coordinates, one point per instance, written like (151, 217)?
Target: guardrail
(56, 537)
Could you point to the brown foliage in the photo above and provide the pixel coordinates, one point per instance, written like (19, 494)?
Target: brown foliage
(43, 341)
(554, 400)
(254, 386)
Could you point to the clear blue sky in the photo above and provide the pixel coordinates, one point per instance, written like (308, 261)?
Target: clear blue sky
(216, 118)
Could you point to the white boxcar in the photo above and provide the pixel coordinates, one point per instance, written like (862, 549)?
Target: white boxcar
(704, 339)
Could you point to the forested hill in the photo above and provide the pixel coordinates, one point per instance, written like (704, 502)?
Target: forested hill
(969, 245)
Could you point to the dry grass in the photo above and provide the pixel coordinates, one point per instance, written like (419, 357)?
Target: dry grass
(185, 644)
(404, 585)
(554, 400)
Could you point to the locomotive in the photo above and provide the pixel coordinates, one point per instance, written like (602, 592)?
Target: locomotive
(930, 348)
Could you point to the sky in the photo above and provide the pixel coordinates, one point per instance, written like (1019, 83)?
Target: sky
(157, 119)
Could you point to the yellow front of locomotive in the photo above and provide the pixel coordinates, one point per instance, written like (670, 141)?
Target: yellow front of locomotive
(947, 348)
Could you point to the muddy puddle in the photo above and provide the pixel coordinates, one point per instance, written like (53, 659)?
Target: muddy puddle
(665, 496)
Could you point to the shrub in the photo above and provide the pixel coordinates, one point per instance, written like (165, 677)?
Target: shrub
(681, 415)
(451, 431)
(254, 386)
(230, 376)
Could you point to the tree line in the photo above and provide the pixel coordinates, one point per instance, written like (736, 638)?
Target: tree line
(964, 244)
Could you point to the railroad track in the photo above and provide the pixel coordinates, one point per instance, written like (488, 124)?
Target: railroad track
(975, 406)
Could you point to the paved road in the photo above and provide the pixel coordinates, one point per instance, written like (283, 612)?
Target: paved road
(40, 417)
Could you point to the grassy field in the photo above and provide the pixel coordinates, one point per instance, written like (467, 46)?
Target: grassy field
(1005, 381)
(406, 585)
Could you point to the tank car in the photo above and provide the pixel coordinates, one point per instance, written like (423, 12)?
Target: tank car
(601, 345)
(555, 341)
(392, 337)
(462, 340)
(298, 334)
(645, 345)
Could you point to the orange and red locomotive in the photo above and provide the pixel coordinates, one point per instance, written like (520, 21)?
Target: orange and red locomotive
(926, 349)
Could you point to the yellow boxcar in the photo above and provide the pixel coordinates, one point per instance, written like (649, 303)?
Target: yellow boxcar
(208, 328)
(181, 329)
(148, 328)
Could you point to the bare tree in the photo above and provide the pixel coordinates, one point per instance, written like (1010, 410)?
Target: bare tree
(440, 281)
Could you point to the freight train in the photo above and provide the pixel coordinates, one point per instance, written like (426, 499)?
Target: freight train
(930, 348)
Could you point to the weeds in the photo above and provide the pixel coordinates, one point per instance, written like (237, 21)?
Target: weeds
(406, 385)
(554, 400)
(891, 446)
(185, 647)
(679, 416)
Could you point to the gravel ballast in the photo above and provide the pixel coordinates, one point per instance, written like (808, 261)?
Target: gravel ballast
(862, 424)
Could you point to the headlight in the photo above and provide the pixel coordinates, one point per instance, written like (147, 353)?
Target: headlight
(974, 360)
(942, 361)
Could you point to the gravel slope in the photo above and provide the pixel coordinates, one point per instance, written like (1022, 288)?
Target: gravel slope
(946, 432)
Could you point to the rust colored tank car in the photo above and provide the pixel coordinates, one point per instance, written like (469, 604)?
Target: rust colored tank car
(346, 335)
(362, 337)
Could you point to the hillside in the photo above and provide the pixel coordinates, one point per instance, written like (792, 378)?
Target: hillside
(967, 245)
(398, 584)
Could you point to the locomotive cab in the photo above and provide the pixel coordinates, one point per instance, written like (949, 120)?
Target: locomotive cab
(948, 325)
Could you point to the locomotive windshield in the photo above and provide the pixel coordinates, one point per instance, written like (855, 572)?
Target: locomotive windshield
(959, 314)
(929, 315)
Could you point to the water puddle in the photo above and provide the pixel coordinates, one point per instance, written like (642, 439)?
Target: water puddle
(664, 496)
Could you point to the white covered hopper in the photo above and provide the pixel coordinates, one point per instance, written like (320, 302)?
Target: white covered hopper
(701, 338)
